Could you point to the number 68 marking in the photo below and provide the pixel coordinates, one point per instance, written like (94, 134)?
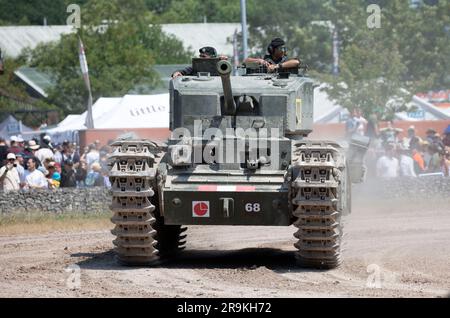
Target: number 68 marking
(253, 207)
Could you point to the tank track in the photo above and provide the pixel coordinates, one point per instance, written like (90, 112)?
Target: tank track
(318, 201)
(141, 236)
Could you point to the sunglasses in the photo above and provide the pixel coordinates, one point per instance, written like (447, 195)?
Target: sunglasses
(11, 159)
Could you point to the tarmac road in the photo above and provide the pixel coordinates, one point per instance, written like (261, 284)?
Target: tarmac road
(400, 250)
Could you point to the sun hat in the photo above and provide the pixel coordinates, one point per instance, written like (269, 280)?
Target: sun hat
(32, 145)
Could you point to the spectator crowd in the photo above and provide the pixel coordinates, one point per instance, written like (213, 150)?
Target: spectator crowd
(390, 156)
(38, 164)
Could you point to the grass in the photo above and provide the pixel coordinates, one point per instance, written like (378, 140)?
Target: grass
(41, 223)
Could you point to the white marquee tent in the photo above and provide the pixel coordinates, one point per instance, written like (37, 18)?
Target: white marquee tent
(128, 112)
(103, 106)
(137, 111)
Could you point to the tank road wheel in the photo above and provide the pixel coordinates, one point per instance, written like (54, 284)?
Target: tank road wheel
(319, 198)
(170, 240)
(141, 236)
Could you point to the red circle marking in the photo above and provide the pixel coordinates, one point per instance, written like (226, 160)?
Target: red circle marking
(200, 209)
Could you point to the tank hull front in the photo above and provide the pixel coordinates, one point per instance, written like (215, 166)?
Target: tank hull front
(226, 200)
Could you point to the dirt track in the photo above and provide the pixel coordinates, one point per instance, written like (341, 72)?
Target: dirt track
(405, 248)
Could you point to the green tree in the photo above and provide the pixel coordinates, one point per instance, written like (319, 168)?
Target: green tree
(408, 53)
(293, 21)
(369, 79)
(381, 68)
(423, 38)
(14, 97)
(195, 11)
(20, 11)
(121, 43)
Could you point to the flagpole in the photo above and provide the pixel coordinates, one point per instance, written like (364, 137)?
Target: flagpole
(235, 52)
(244, 29)
(89, 123)
(90, 117)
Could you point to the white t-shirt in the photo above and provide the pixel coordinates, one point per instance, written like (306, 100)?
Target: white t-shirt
(387, 167)
(362, 124)
(58, 157)
(407, 166)
(91, 157)
(44, 153)
(36, 179)
(11, 181)
(21, 172)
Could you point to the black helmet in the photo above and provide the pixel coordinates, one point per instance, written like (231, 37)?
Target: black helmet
(208, 50)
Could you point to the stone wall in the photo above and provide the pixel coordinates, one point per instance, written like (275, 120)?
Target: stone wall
(94, 200)
(66, 200)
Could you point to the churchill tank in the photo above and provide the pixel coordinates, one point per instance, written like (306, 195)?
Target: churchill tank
(238, 155)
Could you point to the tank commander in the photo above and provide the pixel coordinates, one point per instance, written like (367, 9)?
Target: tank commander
(276, 58)
(205, 52)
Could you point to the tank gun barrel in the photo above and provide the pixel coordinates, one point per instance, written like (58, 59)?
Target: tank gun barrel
(224, 68)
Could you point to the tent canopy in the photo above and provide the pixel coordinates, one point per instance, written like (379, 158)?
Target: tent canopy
(130, 111)
(76, 122)
(137, 111)
(11, 126)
